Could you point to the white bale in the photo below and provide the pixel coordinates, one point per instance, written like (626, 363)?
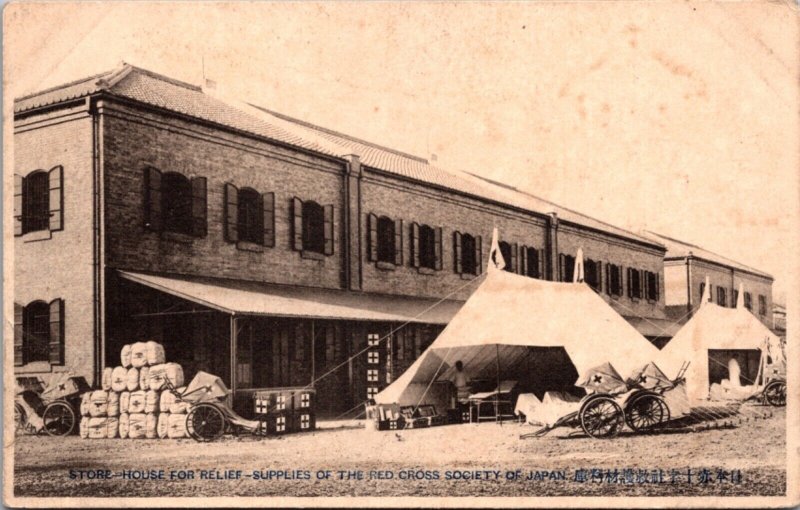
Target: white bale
(137, 402)
(166, 400)
(119, 379)
(125, 356)
(139, 354)
(98, 428)
(137, 425)
(163, 425)
(84, 428)
(177, 426)
(124, 402)
(151, 401)
(155, 353)
(179, 408)
(124, 425)
(85, 403)
(132, 382)
(113, 404)
(144, 383)
(105, 380)
(98, 403)
(160, 373)
(112, 427)
(151, 426)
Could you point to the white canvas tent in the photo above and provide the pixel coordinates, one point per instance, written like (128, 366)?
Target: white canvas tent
(518, 328)
(716, 329)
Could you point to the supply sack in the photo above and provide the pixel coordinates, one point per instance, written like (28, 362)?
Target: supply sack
(155, 353)
(113, 404)
(85, 403)
(163, 425)
(98, 403)
(112, 427)
(125, 356)
(151, 426)
(177, 426)
(179, 407)
(151, 401)
(139, 354)
(166, 400)
(144, 383)
(124, 425)
(159, 374)
(132, 382)
(137, 425)
(119, 379)
(124, 402)
(98, 428)
(137, 402)
(105, 380)
(84, 427)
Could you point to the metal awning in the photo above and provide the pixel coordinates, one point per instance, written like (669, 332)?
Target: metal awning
(240, 297)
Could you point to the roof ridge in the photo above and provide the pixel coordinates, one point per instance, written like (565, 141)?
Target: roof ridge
(63, 85)
(337, 133)
(162, 77)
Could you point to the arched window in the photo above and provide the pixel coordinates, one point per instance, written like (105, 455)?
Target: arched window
(313, 227)
(36, 202)
(468, 262)
(427, 247)
(250, 216)
(386, 248)
(176, 203)
(36, 332)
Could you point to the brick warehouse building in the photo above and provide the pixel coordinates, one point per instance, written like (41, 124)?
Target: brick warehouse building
(264, 249)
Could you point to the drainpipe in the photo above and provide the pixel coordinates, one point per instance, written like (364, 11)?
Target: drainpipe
(352, 225)
(552, 247)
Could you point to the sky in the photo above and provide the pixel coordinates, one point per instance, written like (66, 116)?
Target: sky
(677, 117)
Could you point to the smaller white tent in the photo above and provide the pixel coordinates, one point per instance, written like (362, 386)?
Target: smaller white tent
(714, 329)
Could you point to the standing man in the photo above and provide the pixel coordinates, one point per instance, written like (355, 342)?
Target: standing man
(461, 382)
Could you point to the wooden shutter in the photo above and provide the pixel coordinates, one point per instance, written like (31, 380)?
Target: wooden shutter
(297, 224)
(598, 271)
(540, 261)
(56, 179)
(620, 283)
(152, 200)
(372, 241)
(19, 185)
(398, 242)
(562, 268)
(608, 279)
(437, 247)
(658, 287)
(414, 244)
(478, 256)
(56, 346)
(328, 224)
(630, 282)
(199, 207)
(642, 283)
(19, 335)
(231, 212)
(268, 209)
(523, 261)
(457, 252)
(514, 256)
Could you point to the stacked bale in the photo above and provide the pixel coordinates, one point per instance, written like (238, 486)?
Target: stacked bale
(133, 402)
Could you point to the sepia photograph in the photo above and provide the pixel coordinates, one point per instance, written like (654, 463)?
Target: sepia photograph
(415, 254)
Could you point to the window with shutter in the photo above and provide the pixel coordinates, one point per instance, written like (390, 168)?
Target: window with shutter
(398, 242)
(36, 202)
(427, 247)
(250, 216)
(36, 332)
(567, 263)
(437, 248)
(590, 274)
(297, 224)
(268, 209)
(56, 199)
(457, 263)
(231, 212)
(531, 259)
(468, 251)
(177, 203)
(506, 252)
(722, 297)
(748, 301)
(762, 304)
(19, 184)
(328, 233)
(313, 227)
(478, 256)
(414, 247)
(385, 233)
(199, 207)
(614, 283)
(153, 219)
(56, 337)
(372, 237)
(541, 257)
(19, 333)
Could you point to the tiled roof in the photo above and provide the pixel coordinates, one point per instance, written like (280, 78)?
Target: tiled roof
(156, 90)
(681, 249)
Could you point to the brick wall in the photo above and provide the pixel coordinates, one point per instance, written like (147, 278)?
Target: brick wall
(730, 280)
(50, 265)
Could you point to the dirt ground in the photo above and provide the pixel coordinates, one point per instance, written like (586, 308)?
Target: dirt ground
(746, 459)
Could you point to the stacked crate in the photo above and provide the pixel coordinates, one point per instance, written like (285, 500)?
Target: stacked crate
(284, 410)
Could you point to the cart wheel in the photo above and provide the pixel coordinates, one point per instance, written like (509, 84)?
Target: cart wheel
(59, 419)
(775, 393)
(601, 417)
(20, 418)
(205, 423)
(646, 412)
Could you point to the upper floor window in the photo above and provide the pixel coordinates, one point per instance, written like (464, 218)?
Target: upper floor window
(593, 271)
(467, 254)
(748, 301)
(735, 299)
(651, 286)
(385, 239)
(762, 304)
(634, 283)
(531, 262)
(566, 267)
(39, 332)
(175, 203)
(38, 201)
(426, 247)
(509, 253)
(722, 297)
(312, 227)
(710, 291)
(249, 216)
(614, 280)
